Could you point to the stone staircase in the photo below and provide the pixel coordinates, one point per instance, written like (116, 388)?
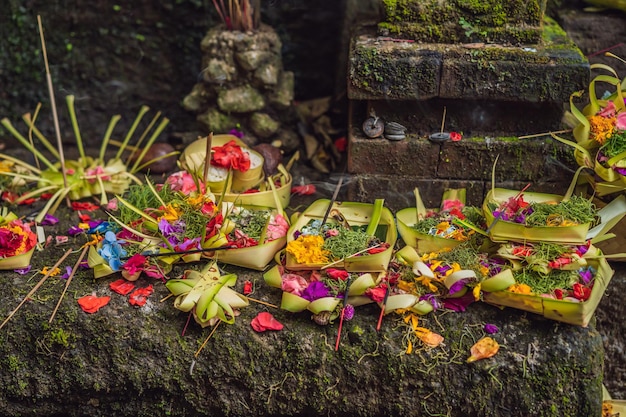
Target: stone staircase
(491, 92)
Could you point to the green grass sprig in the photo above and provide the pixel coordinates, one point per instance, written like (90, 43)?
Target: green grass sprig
(615, 144)
(346, 243)
(546, 283)
(577, 209)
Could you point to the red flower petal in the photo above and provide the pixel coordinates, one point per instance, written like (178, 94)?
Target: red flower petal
(377, 294)
(78, 205)
(140, 296)
(265, 321)
(376, 250)
(121, 286)
(91, 303)
(338, 274)
(341, 144)
(247, 288)
(84, 217)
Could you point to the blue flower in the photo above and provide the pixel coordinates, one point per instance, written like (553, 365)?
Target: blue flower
(112, 251)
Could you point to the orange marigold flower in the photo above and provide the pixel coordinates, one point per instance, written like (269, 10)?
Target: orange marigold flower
(520, 289)
(601, 128)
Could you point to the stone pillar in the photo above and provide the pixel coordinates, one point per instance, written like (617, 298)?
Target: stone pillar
(243, 85)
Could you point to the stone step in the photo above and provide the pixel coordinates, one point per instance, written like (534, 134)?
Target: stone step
(511, 21)
(381, 168)
(384, 68)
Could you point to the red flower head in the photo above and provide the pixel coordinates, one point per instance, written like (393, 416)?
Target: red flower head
(338, 274)
(581, 292)
(231, 156)
(377, 293)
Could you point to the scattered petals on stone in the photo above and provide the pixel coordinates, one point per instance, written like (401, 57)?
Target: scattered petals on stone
(428, 337)
(23, 271)
(75, 230)
(122, 286)
(84, 218)
(247, 288)
(49, 220)
(68, 272)
(265, 321)
(491, 328)
(51, 272)
(60, 239)
(139, 297)
(90, 303)
(483, 349)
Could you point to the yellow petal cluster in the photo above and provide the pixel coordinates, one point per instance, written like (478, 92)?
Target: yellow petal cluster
(307, 249)
(520, 289)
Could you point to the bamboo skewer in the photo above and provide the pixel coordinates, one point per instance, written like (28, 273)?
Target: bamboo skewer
(69, 280)
(55, 116)
(36, 287)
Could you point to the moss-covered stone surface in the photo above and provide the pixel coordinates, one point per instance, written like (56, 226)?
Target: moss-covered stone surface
(548, 70)
(514, 22)
(134, 361)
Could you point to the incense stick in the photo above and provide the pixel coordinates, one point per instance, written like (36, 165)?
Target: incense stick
(443, 119)
(55, 116)
(207, 158)
(332, 201)
(343, 311)
(207, 339)
(536, 135)
(262, 302)
(383, 307)
(36, 287)
(69, 280)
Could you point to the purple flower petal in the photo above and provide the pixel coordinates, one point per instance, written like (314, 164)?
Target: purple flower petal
(491, 328)
(315, 290)
(458, 286)
(460, 303)
(49, 220)
(432, 299)
(68, 271)
(23, 271)
(75, 230)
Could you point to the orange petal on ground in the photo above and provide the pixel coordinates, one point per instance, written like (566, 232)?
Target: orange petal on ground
(122, 286)
(140, 296)
(484, 348)
(91, 303)
(428, 337)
